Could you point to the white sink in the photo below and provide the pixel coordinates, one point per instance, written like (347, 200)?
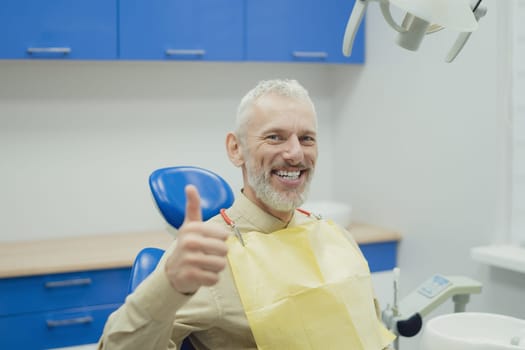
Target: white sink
(473, 331)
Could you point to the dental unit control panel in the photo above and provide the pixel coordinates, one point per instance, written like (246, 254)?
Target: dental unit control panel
(405, 318)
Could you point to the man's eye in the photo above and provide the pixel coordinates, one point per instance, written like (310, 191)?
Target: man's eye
(273, 137)
(309, 140)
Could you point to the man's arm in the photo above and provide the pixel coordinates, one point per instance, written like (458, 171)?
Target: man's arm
(145, 321)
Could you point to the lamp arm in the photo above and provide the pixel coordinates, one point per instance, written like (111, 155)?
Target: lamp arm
(387, 14)
(352, 26)
(479, 12)
(458, 46)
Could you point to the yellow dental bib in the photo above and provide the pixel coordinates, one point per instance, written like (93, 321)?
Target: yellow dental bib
(306, 287)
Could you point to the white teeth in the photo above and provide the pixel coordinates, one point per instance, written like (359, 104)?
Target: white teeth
(289, 174)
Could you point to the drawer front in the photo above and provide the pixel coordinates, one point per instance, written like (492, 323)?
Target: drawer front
(381, 256)
(54, 329)
(63, 291)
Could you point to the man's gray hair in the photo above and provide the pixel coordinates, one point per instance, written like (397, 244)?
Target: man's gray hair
(281, 87)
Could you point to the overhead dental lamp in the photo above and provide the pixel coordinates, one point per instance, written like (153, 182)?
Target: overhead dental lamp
(422, 17)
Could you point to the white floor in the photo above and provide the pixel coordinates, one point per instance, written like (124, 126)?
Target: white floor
(80, 347)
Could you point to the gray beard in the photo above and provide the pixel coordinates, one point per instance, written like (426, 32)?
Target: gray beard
(288, 201)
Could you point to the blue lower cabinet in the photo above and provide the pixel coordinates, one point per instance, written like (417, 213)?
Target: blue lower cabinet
(68, 309)
(48, 330)
(63, 291)
(59, 310)
(381, 256)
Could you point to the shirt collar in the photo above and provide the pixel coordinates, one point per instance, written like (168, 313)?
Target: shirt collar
(248, 216)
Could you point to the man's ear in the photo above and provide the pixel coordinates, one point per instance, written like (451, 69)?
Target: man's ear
(234, 149)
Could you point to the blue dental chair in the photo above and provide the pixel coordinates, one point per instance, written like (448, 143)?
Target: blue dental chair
(167, 187)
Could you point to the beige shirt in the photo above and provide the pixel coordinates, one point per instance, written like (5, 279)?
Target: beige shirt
(157, 317)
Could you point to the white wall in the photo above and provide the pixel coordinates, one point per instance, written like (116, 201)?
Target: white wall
(411, 142)
(79, 139)
(421, 146)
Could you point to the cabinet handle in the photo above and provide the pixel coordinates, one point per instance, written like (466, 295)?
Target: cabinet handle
(68, 283)
(310, 54)
(184, 52)
(69, 322)
(49, 50)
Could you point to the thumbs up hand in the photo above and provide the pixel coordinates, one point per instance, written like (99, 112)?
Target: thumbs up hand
(200, 253)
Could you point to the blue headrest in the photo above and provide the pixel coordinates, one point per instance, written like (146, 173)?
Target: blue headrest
(145, 262)
(167, 186)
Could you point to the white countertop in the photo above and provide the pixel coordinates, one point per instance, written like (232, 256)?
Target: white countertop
(115, 250)
(72, 254)
(507, 256)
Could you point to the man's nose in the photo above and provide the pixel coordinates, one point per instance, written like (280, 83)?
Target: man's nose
(293, 152)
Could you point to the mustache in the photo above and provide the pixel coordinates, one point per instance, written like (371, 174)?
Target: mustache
(285, 165)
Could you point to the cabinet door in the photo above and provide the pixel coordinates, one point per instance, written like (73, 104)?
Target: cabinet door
(74, 29)
(181, 29)
(50, 330)
(300, 30)
(63, 291)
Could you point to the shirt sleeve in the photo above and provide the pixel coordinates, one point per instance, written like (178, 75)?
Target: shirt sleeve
(146, 319)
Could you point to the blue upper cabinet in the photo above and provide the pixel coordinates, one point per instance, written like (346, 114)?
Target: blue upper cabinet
(182, 29)
(300, 31)
(58, 29)
(209, 30)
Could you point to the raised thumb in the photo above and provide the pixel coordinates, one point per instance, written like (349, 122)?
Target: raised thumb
(193, 204)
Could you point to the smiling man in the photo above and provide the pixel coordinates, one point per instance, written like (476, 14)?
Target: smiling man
(294, 282)
(275, 144)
